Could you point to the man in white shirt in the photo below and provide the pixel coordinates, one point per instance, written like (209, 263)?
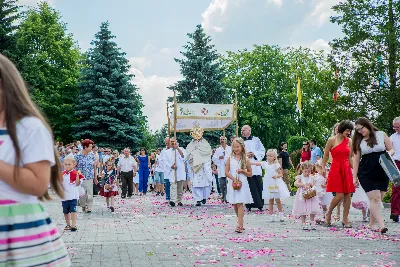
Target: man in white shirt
(395, 199)
(127, 170)
(176, 172)
(255, 152)
(220, 157)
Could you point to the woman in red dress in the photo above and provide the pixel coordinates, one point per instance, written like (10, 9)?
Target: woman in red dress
(305, 152)
(340, 178)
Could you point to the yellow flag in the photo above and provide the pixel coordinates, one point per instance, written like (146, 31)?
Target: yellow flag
(298, 95)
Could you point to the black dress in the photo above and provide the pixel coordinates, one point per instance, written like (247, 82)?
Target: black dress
(370, 173)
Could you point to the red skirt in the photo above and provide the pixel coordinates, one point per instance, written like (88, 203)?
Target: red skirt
(107, 194)
(340, 178)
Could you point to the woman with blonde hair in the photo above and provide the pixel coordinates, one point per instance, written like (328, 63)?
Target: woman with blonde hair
(238, 168)
(24, 177)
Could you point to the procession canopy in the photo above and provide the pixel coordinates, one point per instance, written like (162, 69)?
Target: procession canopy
(210, 117)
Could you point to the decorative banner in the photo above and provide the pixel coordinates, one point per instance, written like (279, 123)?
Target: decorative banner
(210, 117)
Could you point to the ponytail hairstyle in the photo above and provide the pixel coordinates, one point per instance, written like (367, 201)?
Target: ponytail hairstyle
(17, 104)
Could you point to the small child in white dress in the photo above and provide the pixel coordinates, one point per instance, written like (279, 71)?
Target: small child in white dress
(303, 207)
(238, 167)
(273, 185)
(360, 201)
(320, 184)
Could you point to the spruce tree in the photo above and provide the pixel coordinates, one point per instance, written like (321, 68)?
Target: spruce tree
(9, 15)
(109, 109)
(202, 78)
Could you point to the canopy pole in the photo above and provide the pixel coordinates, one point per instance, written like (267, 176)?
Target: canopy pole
(236, 114)
(175, 119)
(169, 122)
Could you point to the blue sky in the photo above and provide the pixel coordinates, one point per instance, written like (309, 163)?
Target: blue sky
(152, 32)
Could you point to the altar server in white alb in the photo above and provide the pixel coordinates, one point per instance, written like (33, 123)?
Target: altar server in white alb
(199, 155)
(174, 159)
(220, 157)
(255, 152)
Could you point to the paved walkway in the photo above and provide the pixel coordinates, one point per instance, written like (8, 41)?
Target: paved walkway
(146, 232)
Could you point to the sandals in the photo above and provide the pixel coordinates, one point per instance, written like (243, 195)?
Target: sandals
(239, 230)
(348, 225)
(67, 228)
(328, 223)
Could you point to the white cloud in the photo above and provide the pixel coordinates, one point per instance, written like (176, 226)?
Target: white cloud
(155, 93)
(278, 3)
(148, 47)
(165, 51)
(140, 63)
(217, 29)
(321, 12)
(321, 44)
(214, 11)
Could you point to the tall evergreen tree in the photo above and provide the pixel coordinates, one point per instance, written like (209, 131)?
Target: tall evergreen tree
(9, 15)
(109, 108)
(202, 77)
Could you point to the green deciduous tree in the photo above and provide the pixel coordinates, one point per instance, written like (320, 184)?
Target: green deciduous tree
(368, 57)
(48, 60)
(109, 108)
(266, 78)
(9, 15)
(202, 77)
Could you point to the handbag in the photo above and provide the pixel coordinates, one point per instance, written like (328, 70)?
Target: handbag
(389, 166)
(236, 184)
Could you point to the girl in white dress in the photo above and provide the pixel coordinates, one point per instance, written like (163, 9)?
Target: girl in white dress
(305, 207)
(320, 184)
(238, 167)
(273, 185)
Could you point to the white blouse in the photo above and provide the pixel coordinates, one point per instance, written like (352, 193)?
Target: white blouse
(380, 138)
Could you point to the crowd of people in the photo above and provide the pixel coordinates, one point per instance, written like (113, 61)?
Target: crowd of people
(350, 165)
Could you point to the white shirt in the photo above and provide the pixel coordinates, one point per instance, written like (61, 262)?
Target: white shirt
(380, 138)
(160, 162)
(169, 159)
(126, 164)
(220, 163)
(70, 190)
(254, 145)
(395, 138)
(36, 145)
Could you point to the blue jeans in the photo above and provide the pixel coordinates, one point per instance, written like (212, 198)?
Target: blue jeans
(143, 180)
(167, 189)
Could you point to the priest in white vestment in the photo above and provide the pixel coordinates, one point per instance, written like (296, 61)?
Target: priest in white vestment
(199, 156)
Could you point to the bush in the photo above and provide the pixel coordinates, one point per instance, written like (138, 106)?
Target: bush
(292, 177)
(295, 143)
(295, 157)
(388, 195)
